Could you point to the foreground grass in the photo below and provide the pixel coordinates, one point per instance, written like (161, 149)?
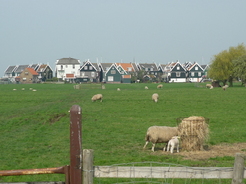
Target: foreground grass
(34, 126)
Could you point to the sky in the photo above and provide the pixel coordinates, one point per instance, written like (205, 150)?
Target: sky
(159, 31)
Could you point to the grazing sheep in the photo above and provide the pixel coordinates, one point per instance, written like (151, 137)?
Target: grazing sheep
(159, 134)
(208, 85)
(22, 89)
(159, 86)
(146, 87)
(225, 87)
(172, 143)
(34, 90)
(155, 97)
(211, 87)
(118, 89)
(14, 89)
(97, 97)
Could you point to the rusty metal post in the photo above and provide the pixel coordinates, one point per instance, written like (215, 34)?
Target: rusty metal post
(75, 145)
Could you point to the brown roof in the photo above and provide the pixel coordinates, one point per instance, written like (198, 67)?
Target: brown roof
(125, 66)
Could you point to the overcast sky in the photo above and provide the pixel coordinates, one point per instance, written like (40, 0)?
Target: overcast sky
(160, 31)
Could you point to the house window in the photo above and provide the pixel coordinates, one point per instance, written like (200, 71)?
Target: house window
(177, 74)
(111, 78)
(92, 74)
(24, 79)
(61, 67)
(86, 68)
(192, 74)
(82, 74)
(151, 69)
(146, 69)
(129, 69)
(66, 66)
(196, 68)
(73, 66)
(113, 72)
(90, 67)
(26, 73)
(199, 73)
(178, 68)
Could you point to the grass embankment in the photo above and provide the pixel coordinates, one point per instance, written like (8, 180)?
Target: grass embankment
(34, 126)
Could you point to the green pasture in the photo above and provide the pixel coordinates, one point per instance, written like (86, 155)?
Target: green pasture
(34, 125)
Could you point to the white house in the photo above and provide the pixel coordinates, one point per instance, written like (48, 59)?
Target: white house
(67, 68)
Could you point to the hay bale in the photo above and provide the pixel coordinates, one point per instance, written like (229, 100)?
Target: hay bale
(194, 132)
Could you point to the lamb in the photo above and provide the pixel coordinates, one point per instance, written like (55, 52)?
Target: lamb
(146, 87)
(208, 85)
(211, 87)
(160, 134)
(97, 97)
(118, 89)
(172, 143)
(155, 97)
(159, 86)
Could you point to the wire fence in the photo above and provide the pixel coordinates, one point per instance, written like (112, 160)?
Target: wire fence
(164, 173)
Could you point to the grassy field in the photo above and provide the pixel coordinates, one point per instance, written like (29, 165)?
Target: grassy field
(34, 126)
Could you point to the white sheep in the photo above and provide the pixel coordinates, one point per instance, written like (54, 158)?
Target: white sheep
(155, 97)
(159, 134)
(208, 85)
(172, 143)
(225, 87)
(211, 87)
(146, 87)
(160, 86)
(22, 89)
(118, 89)
(97, 97)
(14, 89)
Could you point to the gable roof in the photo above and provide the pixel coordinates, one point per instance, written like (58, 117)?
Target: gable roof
(147, 65)
(20, 68)
(192, 66)
(10, 69)
(32, 71)
(173, 65)
(94, 65)
(68, 61)
(115, 66)
(42, 68)
(34, 66)
(126, 66)
(105, 66)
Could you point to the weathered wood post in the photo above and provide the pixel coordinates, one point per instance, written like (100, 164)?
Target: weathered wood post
(238, 170)
(88, 166)
(75, 145)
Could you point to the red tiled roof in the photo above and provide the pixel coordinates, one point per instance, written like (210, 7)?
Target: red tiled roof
(32, 71)
(125, 66)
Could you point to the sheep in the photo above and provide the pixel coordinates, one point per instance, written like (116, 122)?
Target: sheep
(146, 87)
(14, 89)
(22, 89)
(172, 143)
(208, 85)
(118, 89)
(155, 97)
(34, 90)
(97, 97)
(224, 87)
(211, 87)
(159, 134)
(103, 87)
(159, 86)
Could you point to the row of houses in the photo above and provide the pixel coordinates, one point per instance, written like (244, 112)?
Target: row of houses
(72, 70)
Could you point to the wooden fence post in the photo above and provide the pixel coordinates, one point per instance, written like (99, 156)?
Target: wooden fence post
(88, 166)
(75, 145)
(238, 170)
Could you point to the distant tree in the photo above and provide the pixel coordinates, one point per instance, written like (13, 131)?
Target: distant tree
(221, 67)
(239, 68)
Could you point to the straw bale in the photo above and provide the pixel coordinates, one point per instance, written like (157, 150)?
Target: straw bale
(194, 132)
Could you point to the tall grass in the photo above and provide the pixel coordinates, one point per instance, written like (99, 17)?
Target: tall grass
(34, 126)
